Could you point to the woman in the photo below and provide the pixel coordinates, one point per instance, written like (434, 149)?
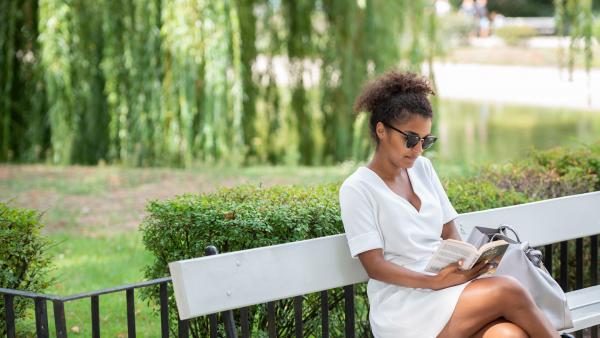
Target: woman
(395, 213)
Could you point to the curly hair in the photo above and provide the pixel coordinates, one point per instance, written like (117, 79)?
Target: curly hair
(395, 96)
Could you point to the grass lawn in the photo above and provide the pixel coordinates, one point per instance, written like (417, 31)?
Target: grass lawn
(83, 264)
(92, 214)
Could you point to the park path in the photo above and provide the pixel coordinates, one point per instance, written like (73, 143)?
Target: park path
(534, 86)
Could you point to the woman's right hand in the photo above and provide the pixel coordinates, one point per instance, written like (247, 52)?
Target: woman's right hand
(452, 275)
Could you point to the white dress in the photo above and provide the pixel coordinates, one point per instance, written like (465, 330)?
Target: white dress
(376, 217)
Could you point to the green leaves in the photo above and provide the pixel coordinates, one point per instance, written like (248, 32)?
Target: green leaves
(179, 83)
(24, 262)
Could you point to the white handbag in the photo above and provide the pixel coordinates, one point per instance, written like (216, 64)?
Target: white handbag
(526, 265)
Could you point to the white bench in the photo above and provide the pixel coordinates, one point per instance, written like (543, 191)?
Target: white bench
(213, 284)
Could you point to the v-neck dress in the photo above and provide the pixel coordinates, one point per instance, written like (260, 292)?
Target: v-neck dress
(376, 217)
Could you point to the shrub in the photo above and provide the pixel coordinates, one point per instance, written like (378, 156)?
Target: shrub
(475, 194)
(24, 262)
(539, 182)
(572, 163)
(515, 35)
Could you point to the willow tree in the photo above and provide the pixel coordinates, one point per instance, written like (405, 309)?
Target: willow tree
(343, 68)
(575, 17)
(23, 129)
(183, 77)
(247, 57)
(88, 108)
(179, 82)
(222, 133)
(298, 17)
(56, 27)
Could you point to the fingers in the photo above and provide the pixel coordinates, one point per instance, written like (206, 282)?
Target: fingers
(486, 267)
(478, 269)
(452, 267)
(480, 266)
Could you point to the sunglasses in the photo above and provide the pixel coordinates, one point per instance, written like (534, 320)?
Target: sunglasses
(412, 138)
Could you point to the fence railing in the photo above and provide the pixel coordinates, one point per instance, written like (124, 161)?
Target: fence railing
(58, 303)
(561, 273)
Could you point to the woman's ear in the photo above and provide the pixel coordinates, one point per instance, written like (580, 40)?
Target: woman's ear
(380, 130)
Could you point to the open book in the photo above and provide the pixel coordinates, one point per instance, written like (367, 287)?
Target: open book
(451, 251)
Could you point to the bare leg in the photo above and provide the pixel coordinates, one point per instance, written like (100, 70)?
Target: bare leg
(501, 329)
(486, 300)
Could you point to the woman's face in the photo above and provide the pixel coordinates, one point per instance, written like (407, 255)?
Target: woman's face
(392, 144)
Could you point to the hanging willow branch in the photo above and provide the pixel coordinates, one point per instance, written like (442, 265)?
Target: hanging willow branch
(575, 17)
(155, 82)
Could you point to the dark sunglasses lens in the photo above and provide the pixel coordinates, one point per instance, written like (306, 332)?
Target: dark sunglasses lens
(412, 140)
(428, 142)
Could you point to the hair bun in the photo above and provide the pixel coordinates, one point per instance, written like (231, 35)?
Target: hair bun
(389, 85)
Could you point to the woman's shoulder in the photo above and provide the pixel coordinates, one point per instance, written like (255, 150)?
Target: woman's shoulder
(361, 181)
(358, 178)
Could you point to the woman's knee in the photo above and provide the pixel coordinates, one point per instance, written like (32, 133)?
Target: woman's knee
(509, 283)
(505, 330)
(509, 291)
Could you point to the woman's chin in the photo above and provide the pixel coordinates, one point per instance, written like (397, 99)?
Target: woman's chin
(410, 160)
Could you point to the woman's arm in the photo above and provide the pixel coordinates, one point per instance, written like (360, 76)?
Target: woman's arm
(380, 269)
(449, 231)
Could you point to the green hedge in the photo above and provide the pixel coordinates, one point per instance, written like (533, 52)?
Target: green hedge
(250, 216)
(24, 262)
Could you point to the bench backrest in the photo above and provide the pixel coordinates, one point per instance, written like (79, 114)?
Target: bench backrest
(233, 280)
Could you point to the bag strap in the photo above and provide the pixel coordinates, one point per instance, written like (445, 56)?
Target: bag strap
(503, 230)
(496, 237)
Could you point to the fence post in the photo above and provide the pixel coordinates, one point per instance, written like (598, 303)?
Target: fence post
(41, 318)
(59, 318)
(10, 315)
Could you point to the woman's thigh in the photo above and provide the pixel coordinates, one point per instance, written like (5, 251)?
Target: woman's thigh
(482, 301)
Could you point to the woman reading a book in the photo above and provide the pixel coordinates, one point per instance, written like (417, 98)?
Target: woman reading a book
(396, 213)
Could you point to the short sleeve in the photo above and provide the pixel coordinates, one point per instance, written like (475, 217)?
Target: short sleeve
(358, 216)
(448, 212)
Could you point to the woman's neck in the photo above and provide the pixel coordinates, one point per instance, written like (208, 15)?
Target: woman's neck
(385, 168)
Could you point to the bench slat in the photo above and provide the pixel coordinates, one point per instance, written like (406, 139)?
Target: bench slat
(585, 317)
(583, 297)
(542, 222)
(237, 279)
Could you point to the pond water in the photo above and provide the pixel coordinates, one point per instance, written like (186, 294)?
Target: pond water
(477, 133)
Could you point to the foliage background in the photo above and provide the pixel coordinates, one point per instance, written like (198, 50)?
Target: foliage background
(180, 82)
(177, 83)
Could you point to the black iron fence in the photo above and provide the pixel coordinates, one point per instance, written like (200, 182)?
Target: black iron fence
(58, 303)
(585, 256)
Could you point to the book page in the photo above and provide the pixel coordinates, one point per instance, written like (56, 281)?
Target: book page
(451, 251)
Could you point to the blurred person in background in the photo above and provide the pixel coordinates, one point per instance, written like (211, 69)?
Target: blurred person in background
(483, 22)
